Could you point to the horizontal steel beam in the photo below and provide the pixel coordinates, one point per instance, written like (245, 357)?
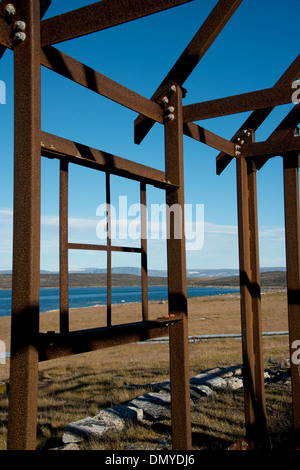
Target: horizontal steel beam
(191, 56)
(87, 246)
(271, 148)
(258, 116)
(99, 16)
(74, 70)
(238, 104)
(55, 345)
(209, 138)
(56, 147)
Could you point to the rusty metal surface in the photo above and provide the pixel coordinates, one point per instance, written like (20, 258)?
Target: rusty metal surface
(74, 70)
(262, 151)
(22, 415)
(56, 147)
(177, 289)
(237, 104)
(253, 367)
(52, 345)
(99, 16)
(144, 258)
(63, 246)
(196, 132)
(108, 255)
(5, 33)
(292, 240)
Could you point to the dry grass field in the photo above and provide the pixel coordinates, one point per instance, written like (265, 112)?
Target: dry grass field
(76, 387)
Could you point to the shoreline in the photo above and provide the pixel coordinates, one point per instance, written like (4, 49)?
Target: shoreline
(265, 291)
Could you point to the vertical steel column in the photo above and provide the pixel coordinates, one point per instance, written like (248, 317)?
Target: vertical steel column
(292, 241)
(179, 353)
(253, 369)
(108, 274)
(143, 203)
(23, 387)
(63, 247)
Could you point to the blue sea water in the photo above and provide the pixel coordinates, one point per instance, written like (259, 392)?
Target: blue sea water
(92, 296)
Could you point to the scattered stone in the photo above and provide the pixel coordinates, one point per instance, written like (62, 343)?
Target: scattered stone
(234, 383)
(202, 390)
(118, 415)
(217, 383)
(212, 380)
(286, 363)
(70, 446)
(158, 386)
(84, 429)
(156, 405)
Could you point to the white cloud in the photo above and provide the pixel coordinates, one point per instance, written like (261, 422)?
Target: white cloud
(207, 243)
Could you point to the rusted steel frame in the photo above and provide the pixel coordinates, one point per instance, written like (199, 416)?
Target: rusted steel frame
(108, 241)
(23, 386)
(57, 147)
(87, 246)
(63, 247)
(196, 132)
(238, 104)
(79, 73)
(253, 369)
(144, 264)
(177, 289)
(52, 346)
(258, 116)
(190, 58)
(269, 148)
(99, 16)
(292, 241)
(6, 30)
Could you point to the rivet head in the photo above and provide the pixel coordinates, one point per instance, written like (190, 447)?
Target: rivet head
(20, 36)
(171, 117)
(165, 100)
(171, 109)
(21, 25)
(10, 8)
(173, 89)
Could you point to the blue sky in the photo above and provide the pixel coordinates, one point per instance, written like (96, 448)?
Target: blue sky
(252, 52)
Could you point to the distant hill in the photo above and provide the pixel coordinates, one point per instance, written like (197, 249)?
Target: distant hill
(272, 279)
(223, 272)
